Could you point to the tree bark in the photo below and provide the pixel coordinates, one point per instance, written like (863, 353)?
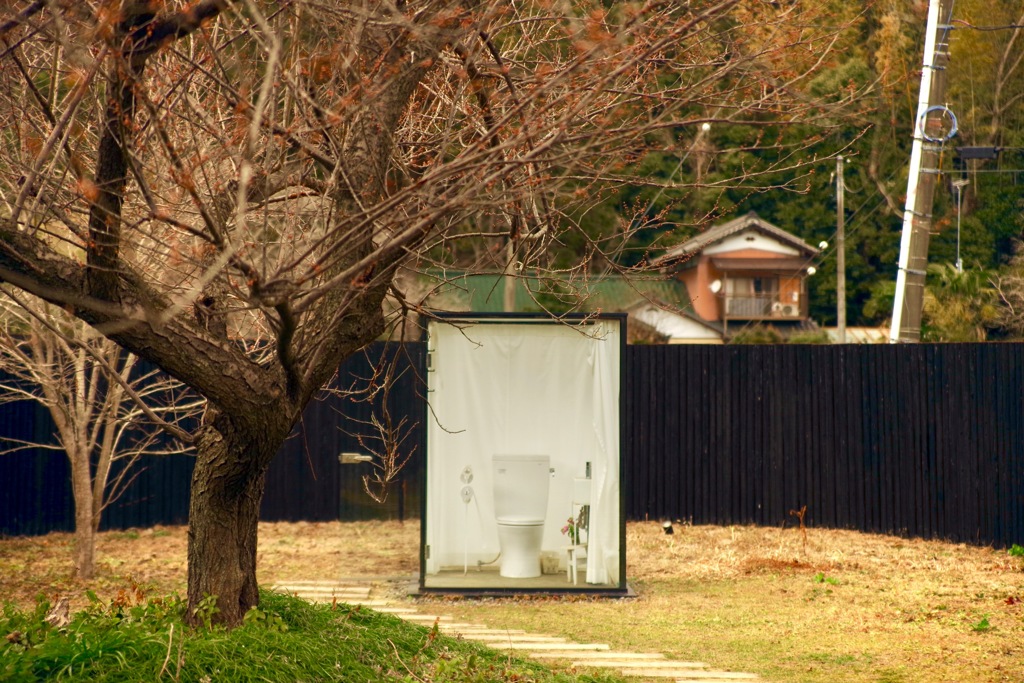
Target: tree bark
(85, 526)
(227, 488)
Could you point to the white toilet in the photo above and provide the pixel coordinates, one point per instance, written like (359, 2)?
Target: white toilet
(520, 505)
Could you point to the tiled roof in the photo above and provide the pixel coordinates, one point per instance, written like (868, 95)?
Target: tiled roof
(719, 232)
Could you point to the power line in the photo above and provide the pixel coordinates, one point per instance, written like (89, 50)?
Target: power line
(982, 170)
(966, 24)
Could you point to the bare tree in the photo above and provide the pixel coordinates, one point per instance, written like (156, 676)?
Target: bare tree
(1008, 285)
(283, 161)
(105, 407)
(383, 436)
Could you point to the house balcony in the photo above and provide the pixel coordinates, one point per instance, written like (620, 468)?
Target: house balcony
(762, 307)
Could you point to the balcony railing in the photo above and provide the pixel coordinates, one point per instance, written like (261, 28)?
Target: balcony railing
(762, 306)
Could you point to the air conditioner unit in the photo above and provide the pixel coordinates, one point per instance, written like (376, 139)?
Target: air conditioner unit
(790, 310)
(777, 308)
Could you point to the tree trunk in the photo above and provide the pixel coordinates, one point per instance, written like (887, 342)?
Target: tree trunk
(85, 549)
(85, 527)
(227, 488)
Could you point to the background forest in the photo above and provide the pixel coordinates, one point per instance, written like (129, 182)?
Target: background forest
(867, 88)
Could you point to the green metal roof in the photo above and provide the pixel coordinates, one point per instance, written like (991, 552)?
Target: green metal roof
(485, 292)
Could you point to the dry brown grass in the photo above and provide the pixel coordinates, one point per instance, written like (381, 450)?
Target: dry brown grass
(155, 558)
(836, 606)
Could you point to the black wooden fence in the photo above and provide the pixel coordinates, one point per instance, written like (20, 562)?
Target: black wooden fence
(921, 440)
(305, 482)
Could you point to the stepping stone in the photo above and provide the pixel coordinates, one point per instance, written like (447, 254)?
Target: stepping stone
(469, 629)
(324, 590)
(415, 616)
(642, 657)
(687, 675)
(476, 635)
(567, 648)
(514, 638)
(322, 585)
(340, 597)
(619, 663)
(323, 593)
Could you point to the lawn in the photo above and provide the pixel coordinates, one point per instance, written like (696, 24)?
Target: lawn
(828, 606)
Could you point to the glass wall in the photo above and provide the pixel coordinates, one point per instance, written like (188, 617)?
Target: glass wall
(523, 455)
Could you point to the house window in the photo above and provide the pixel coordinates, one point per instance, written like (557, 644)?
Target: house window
(751, 296)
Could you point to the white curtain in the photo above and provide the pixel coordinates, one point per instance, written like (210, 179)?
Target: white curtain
(529, 389)
(603, 549)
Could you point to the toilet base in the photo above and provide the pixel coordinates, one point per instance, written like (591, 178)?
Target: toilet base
(520, 550)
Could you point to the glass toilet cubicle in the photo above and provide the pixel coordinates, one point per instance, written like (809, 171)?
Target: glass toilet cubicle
(523, 455)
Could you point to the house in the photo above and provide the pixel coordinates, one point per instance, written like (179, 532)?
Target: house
(675, 325)
(742, 272)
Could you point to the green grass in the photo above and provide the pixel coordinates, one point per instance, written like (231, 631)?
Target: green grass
(285, 639)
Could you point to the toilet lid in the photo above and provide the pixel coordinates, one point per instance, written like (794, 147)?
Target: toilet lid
(518, 520)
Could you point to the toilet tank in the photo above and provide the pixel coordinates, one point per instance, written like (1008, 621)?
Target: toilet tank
(521, 488)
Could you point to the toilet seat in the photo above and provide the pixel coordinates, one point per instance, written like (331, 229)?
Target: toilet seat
(520, 521)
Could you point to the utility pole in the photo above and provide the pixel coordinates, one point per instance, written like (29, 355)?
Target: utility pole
(924, 161)
(840, 251)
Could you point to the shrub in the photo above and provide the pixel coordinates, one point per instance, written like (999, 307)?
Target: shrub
(758, 334)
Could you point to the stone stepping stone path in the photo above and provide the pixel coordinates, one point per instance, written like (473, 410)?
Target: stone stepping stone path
(327, 591)
(552, 650)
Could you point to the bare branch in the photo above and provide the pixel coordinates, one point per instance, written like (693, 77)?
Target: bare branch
(23, 16)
